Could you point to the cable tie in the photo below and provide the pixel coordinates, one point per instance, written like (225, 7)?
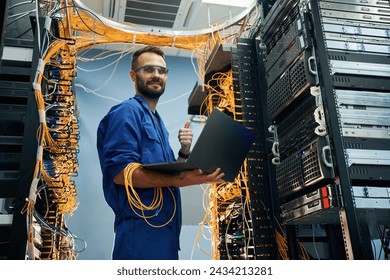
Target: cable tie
(32, 194)
(39, 153)
(41, 66)
(47, 23)
(36, 78)
(42, 116)
(174, 41)
(37, 87)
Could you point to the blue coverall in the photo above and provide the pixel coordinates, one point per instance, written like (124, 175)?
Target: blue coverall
(130, 132)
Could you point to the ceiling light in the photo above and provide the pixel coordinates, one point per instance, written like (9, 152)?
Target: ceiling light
(233, 3)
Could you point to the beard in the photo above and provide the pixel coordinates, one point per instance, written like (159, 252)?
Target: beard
(150, 92)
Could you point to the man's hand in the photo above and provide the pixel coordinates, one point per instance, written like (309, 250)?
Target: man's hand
(196, 177)
(185, 138)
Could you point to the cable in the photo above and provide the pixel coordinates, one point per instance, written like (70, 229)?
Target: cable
(19, 4)
(25, 32)
(314, 242)
(76, 9)
(374, 248)
(200, 230)
(21, 15)
(123, 53)
(38, 27)
(175, 98)
(382, 240)
(97, 94)
(135, 200)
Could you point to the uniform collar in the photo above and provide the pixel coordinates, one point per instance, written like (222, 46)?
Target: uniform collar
(143, 103)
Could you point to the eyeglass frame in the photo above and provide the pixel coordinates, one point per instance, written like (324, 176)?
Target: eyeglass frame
(158, 67)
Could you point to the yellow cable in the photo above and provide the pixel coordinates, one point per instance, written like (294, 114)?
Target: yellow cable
(135, 200)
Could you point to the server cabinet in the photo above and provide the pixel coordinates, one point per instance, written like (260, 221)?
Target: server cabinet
(326, 68)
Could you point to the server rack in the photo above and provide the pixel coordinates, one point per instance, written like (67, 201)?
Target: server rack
(326, 67)
(262, 206)
(361, 147)
(245, 225)
(39, 140)
(18, 128)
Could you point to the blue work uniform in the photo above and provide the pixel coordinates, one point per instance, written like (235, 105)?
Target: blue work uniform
(131, 132)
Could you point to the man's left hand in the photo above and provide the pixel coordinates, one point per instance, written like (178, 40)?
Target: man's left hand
(185, 138)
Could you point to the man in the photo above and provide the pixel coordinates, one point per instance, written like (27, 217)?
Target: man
(146, 204)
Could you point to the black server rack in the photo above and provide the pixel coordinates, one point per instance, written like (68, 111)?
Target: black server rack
(326, 65)
(18, 126)
(3, 24)
(38, 139)
(245, 225)
(246, 84)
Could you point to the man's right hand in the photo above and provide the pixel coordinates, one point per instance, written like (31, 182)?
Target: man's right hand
(197, 177)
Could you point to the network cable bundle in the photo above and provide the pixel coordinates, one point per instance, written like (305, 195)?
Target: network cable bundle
(53, 188)
(326, 65)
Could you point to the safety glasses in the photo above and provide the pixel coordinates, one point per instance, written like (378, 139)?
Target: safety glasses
(150, 69)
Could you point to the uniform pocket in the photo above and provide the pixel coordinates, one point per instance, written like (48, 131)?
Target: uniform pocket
(152, 150)
(151, 133)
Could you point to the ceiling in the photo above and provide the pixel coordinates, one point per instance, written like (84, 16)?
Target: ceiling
(182, 17)
(171, 14)
(186, 16)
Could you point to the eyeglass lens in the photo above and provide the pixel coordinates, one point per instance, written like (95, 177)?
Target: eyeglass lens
(149, 69)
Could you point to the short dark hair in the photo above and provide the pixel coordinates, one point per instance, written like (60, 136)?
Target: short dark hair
(150, 49)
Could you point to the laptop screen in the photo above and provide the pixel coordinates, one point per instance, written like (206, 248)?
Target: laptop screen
(222, 143)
